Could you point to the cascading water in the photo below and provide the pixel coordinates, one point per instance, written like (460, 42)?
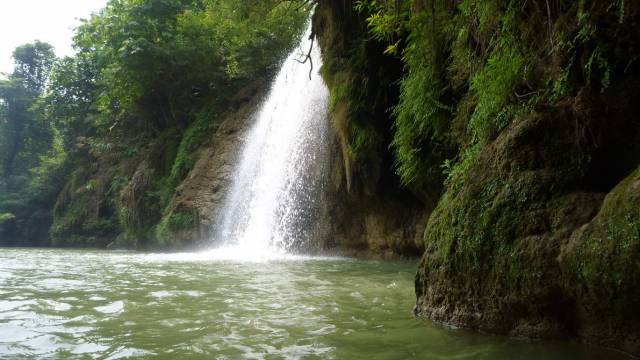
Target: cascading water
(274, 202)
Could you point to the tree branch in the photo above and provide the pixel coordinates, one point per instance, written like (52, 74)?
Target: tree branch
(312, 37)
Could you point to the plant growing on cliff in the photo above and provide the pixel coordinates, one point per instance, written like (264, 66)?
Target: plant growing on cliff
(6, 217)
(472, 67)
(170, 225)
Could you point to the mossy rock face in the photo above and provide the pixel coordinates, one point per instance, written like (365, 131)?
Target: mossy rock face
(523, 236)
(601, 269)
(491, 245)
(189, 219)
(363, 84)
(81, 214)
(368, 211)
(176, 229)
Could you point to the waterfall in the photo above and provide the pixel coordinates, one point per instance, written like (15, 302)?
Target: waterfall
(273, 205)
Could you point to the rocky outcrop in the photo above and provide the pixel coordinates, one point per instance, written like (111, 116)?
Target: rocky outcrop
(601, 270)
(377, 229)
(369, 213)
(541, 237)
(359, 223)
(200, 196)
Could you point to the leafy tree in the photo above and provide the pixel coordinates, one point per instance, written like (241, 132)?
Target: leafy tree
(25, 136)
(15, 100)
(21, 133)
(145, 71)
(32, 64)
(159, 60)
(69, 103)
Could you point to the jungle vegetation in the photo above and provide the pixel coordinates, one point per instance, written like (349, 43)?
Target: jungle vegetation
(140, 95)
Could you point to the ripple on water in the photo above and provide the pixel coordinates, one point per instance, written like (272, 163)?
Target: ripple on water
(69, 298)
(112, 308)
(179, 308)
(14, 333)
(161, 294)
(164, 294)
(88, 348)
(4, 275)
(55, 305)
(8, 305)
(59, 284)
(127, 353)
(329, 329)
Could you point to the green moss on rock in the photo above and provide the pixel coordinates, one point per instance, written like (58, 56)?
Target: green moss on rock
(525, 242)
(601, 268)
(495, 238)
(168, 231)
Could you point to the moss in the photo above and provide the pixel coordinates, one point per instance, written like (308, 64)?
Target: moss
(363, 86)
(492, 240)
(194, 137)
(474, 66)
(170, 225)
(72, 217)
(84, 214)
(604, 258)
(527, 112)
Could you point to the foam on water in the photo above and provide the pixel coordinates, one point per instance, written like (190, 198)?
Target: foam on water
(235, 254)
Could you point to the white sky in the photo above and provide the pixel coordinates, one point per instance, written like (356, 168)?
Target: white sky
(52, 21)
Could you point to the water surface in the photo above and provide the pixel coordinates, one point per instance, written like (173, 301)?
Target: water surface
(110, 305)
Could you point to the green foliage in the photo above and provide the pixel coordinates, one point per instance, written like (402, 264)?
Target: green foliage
(385, 25)
(455, 172)
(23, 135)
(171, 224)
(173, 54)
(363, 85)
(423, 112)
(472, 67)
(16, 100)
(32, 65)
(30, 155)
(50, 164)
(72, 219)
(144, 90)
(6, 217)
(421, 124)
(70, 99)
(494, 87)
(193, 138)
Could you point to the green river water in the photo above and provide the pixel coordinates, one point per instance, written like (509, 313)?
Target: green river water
(110, 305)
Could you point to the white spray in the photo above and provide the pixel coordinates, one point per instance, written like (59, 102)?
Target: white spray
(273, 202)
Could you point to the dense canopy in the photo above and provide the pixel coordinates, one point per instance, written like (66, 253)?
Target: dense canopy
(144, 70)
